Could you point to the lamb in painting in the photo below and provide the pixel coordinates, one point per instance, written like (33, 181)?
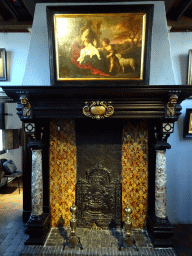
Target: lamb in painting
(125, 62)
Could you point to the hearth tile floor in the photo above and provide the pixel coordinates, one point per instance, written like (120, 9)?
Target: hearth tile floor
(95, 242)
(96, 238)
(12, 236)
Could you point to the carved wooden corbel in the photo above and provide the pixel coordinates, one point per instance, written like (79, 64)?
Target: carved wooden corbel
(26, 107)
(171, 105)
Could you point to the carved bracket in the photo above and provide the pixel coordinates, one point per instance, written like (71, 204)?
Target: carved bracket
(98, 109)
(171, 105)
(26, 106)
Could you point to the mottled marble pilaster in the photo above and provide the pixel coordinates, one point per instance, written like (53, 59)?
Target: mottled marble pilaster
(37, 183)
(160, 184)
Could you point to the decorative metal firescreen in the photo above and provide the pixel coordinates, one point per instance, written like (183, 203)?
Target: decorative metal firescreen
(98, 199)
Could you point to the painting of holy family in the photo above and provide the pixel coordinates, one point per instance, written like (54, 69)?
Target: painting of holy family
(99, 46)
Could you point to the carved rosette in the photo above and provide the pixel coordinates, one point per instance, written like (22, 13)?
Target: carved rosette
(98, 109)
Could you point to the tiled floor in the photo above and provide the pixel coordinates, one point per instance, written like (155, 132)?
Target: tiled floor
(12, 235)
(182, 240)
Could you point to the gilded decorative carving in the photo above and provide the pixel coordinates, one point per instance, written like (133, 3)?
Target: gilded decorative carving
(98, 109)
(171, 105)
(26, 105)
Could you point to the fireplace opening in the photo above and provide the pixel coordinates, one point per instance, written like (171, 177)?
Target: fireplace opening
(99, 172)
(103, 167)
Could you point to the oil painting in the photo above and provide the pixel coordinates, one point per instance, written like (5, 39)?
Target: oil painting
(3, 65)
(189, 80)
(190, 123)
(101, 46)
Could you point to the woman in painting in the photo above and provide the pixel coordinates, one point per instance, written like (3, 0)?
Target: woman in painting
(89, 50)
(86, 56)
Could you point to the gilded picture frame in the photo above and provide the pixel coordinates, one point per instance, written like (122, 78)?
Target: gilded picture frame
(87, 45)
(189, 78)
(3, 65)
(187, 128)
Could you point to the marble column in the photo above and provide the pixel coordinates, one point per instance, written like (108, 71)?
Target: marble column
(37, 184)
(160, 184)
(38, 225)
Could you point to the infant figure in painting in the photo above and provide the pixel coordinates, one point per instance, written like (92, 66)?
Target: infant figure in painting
(113, 60)
(88, 50)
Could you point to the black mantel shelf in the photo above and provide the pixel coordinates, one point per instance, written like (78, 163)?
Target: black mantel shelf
(132, 101)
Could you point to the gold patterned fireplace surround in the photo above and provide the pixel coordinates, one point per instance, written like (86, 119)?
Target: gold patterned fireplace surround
(148, 113)
(63, 169)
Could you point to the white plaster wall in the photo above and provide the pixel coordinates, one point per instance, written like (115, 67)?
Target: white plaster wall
(180, 43)
(37, 67)
(15, 155)
(179, 157)
(12, 121)
(17, 47)
(179, 173)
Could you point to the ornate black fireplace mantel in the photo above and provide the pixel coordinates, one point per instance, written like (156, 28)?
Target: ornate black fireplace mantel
(130, 101)
(160, 105)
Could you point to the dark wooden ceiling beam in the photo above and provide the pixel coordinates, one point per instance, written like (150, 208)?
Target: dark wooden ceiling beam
(178, 8)
(15, 28)
(5, 14)
(17, 9)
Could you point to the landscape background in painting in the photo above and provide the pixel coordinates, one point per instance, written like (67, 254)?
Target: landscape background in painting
(82, 54)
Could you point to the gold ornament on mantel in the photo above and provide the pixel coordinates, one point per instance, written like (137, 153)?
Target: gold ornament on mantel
(98, 109)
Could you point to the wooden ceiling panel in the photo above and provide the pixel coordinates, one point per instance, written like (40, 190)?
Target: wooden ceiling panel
(178, 9)
(19, 13)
